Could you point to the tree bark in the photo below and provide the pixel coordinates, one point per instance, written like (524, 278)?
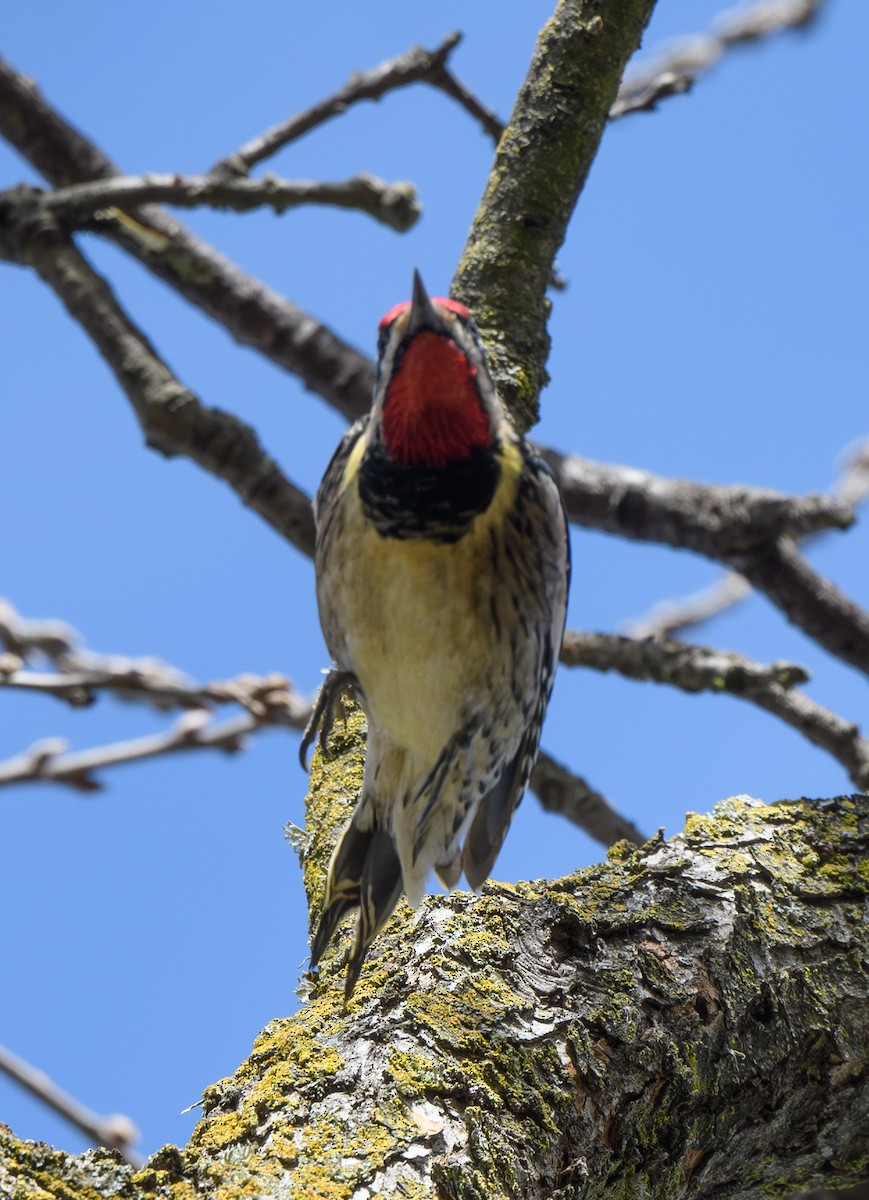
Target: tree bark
(688, 1018)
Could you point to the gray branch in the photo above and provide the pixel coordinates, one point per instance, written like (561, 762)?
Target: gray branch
(393, 204)
(115, 1132)
(255, 315)
(694, 668)
(560, 791)
(670, 616)
(79, 676)
(674, 70)
(172, 418)
(416, 65)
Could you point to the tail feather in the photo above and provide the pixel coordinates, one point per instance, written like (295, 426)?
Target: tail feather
(380, 890)
(364, 873)
(342, 885)
(488, 829)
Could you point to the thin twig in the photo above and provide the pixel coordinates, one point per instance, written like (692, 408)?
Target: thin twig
(667, 617)
(416, 65)
(146, 679)
(673, 70)
(47, 761)
(269, 701)
(117, 1132)
(560, 791)
(694, 668)
(393, 204)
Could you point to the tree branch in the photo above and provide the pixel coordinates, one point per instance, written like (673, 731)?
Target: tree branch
(173, 420)
(750, 529)
(416, 65)
(670, 616)
(268, 701)
(808, 600)
(47, 761)
(252, 313)
(699, 668)
(560, 791)
(718, 521)
(393, 204)
(673, 70)
(541, 164)
(115, 1132)
(616, 1032)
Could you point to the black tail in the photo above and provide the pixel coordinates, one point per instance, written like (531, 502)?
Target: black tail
(364, 873)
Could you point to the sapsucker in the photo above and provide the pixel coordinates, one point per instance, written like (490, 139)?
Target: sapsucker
(442, 572)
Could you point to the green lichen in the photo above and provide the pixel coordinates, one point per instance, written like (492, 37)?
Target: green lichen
(336, 777)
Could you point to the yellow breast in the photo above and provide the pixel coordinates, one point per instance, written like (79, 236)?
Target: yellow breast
(417, 618)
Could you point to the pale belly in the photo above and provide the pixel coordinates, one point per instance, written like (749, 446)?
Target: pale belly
(417, 628)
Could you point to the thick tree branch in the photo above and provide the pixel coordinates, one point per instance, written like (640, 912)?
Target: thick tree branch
(616, 1032)
(719, 521)
(172, 418)
(541, 164)
(701, 668)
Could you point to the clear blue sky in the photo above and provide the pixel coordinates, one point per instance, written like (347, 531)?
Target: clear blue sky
(714, 327)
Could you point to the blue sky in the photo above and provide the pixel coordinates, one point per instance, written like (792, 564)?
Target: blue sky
(714, 327)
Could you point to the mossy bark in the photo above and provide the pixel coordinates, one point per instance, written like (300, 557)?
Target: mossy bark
(690, 1017)
(541, 164)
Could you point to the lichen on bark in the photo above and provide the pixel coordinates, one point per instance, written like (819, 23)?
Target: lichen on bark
(688, 1017)
(541, 164)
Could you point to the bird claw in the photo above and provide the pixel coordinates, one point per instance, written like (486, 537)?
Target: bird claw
(336, 684)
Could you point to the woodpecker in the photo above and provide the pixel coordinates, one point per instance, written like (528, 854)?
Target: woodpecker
(442, 564)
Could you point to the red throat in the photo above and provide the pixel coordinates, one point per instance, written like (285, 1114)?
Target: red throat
(433, 415)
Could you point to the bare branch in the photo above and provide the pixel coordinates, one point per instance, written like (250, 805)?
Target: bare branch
(674, 69)
(560, 791)
(22, 637)
(685, 666)
(252, 313)
(172, 418)
(750, 529)
(488, 121)
(116, 1132)
(699, 668)
(670, 616)
(416, 65)
(393, 204)
(269, 701)
(808, 600)
(48, 761)
(715, 520)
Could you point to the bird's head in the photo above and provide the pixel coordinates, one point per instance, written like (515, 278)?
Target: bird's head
(434, 401)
